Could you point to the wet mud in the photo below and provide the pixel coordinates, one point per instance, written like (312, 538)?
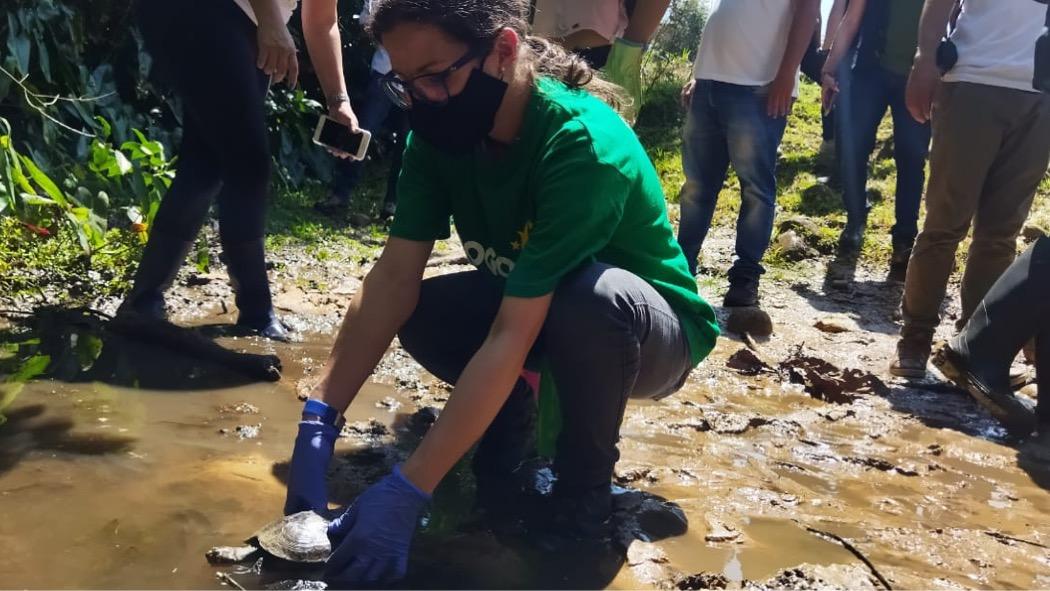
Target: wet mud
(792, 462)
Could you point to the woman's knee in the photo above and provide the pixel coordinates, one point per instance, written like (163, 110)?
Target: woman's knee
(586, 301)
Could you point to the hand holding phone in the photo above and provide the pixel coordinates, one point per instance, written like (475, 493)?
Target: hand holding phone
(340, 140)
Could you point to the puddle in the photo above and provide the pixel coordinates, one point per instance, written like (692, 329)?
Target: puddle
(121, 465)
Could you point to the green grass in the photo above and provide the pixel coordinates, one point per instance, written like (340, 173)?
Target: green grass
(801, 175)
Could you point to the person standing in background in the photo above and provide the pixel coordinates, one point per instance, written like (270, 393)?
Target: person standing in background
(610, 34)
(220, 57)
(888, 38)
(376, 110)
(746, 81)
(991, 147)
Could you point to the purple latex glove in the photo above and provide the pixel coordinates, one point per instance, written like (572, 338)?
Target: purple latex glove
(307, 489)
(375, 533)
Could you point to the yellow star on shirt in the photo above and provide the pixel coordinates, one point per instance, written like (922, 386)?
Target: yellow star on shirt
(523, 237)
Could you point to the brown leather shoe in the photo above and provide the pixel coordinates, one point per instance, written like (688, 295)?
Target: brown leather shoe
(912, 356)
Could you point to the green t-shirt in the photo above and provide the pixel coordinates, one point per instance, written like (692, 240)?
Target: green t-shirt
(575, 187)
(902, 35)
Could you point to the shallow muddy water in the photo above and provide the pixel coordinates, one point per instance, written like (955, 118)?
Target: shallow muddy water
(123, 474)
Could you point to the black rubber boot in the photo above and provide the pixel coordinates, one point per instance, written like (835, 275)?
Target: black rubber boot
(511, 438)
(1013, 312)
(246, 264)
(158, 266)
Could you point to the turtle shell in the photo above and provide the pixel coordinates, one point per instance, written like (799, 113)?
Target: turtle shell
(300, 537)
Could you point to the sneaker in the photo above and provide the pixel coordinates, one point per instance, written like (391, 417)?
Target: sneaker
(743, 293)
(1014, 412)
(911, 359)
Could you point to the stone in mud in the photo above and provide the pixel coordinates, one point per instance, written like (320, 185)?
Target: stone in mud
(370, 429)
(718, 531)
(648, 562)
(701, 581)
(793, 248)
(750, 320)
(832, 325)
(801, 225)
(248, 431)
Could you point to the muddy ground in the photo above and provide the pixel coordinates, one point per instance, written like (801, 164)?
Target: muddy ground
(756, 475)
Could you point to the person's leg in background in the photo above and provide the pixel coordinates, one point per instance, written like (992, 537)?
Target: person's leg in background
(705, 161)
(225, 96)
(753, 138)
(181, 214)
(868, 104)
(911, 146)
(967, 131)
(1009, 189)
(1013, 312)
(844, 134)
(373, 111)
(633, 346)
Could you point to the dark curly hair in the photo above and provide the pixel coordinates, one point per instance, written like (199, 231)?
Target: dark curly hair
(477, 23)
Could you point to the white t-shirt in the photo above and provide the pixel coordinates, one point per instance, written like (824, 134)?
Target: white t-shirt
(744, 41)
(287, 7)
(556, 19)
(996, 42)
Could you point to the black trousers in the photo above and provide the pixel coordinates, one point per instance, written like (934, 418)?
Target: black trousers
(609, 336)
(205, 50)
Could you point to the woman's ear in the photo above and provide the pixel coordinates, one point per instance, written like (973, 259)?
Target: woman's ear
(504, 54)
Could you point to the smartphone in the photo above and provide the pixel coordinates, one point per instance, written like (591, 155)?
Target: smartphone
(336, 136)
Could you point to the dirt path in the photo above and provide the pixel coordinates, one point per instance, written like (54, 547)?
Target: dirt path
(742, 479)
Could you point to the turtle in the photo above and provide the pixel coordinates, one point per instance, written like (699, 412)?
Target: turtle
(300, 538)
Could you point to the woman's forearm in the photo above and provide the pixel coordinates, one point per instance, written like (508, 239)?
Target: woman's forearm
(378, 310)
(480, 393)
(838, 12)
(321, 29)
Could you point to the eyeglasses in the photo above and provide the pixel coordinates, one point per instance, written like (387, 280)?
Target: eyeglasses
(428, 88)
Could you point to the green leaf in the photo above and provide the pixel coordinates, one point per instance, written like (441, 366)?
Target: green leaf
(18, 44)
(38, 200)
(44, 59)
(44, 181)
(33, 367)
(107, 129)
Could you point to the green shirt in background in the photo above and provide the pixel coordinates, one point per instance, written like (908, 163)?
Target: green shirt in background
(575, 187)
(902, 35)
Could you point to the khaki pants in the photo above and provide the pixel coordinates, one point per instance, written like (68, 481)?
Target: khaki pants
(991, 147)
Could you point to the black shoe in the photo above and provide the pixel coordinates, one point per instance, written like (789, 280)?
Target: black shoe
(899, 262)
(851, 239)
(246, 265)
(158, 267)
(743, 293)
(1014, 412)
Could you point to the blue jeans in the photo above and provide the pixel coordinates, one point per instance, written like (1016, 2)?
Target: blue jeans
(375, 109)
(727, 124)
(875, 89)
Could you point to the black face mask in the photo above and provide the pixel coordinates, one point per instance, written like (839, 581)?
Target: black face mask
(465, 120)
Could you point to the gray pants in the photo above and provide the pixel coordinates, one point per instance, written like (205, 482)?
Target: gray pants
(609, 336)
